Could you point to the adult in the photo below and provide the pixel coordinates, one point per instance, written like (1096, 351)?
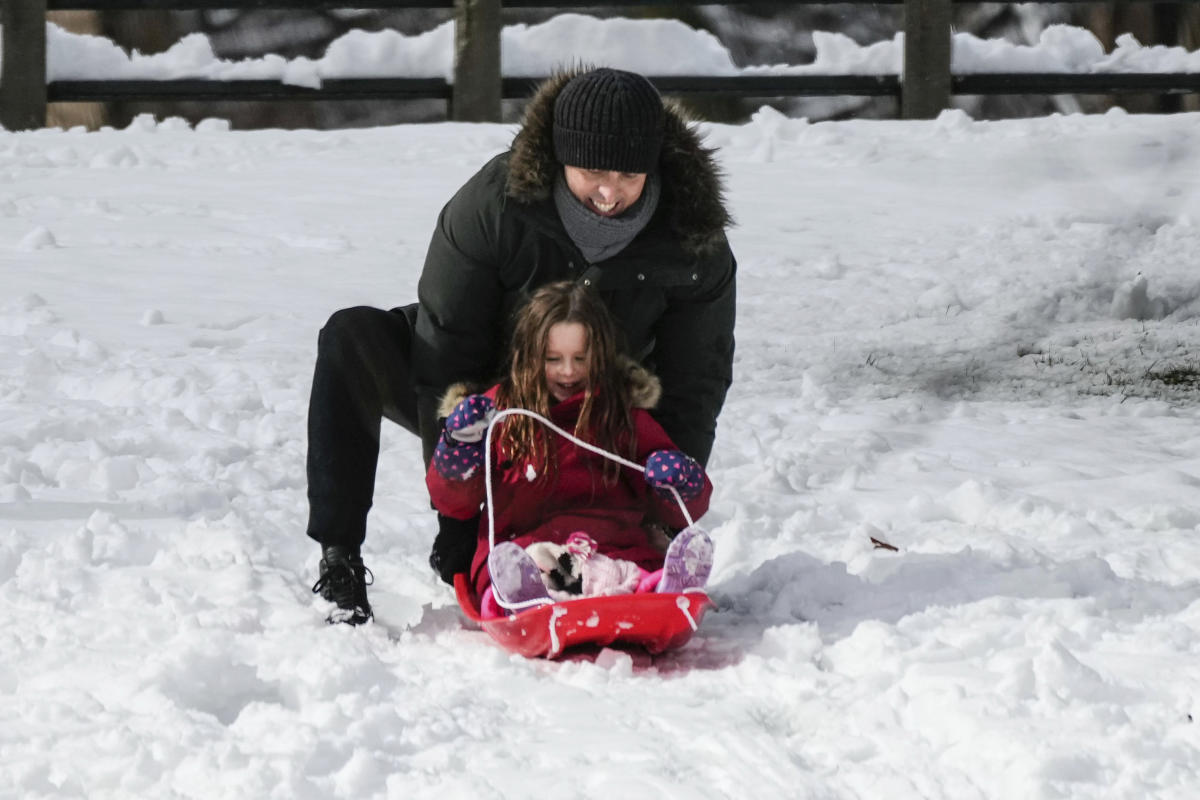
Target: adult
(603, 184)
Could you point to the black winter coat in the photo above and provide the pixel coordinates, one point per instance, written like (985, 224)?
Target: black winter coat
(671, 289)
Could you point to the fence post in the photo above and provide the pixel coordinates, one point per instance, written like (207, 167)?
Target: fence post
(23, 75)
(925, 89)
(475, 96)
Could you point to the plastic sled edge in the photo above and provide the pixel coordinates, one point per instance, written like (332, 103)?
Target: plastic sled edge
(657, 622)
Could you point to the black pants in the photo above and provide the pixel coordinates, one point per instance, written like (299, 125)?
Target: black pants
(363, 375)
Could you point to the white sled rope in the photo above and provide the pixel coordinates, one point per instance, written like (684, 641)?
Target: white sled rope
(491, 509)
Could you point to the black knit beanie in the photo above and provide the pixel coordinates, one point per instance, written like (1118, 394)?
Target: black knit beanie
(609, 119)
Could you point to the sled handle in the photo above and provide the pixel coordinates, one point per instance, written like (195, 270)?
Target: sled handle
(487, 464)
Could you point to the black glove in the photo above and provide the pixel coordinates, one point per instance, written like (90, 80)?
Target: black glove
(454, 546)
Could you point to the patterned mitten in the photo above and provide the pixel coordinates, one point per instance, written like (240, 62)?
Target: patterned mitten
(459, 451)
(469, 419)
(666, 469)
(457, 462)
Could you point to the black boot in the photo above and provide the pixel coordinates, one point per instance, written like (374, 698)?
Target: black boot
(344, 581)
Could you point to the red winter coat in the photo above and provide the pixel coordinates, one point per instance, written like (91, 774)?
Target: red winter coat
(575, 498)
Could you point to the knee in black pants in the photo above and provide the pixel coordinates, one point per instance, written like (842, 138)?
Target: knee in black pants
(362, 375)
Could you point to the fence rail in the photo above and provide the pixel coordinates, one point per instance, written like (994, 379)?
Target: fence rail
(440, 88)
(923, 89)
(517, 88)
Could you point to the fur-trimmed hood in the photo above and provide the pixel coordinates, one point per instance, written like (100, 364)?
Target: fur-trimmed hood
(692, 182)
(645, 385)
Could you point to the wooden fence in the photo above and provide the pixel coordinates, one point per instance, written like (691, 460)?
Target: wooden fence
(923, 89)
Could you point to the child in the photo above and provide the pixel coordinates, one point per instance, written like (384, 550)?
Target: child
(583, 517)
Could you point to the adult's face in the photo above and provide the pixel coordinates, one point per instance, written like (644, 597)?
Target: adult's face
(605, 192)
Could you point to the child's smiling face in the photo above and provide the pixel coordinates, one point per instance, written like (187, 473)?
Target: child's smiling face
(566, 359)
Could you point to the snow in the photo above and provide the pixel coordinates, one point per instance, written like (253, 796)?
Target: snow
(649, 46)
(956, 337)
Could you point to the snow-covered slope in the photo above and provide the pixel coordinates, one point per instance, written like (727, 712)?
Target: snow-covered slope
(975, 341)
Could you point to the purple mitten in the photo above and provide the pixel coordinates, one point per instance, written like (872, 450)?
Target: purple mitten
(455, 461)
(459, 451)
(469, 419)
(667, 469)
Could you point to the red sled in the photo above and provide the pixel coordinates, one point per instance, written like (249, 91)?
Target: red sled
(657, 622)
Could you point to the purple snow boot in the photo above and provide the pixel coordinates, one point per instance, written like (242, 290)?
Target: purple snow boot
(688, 562)
(516, 579)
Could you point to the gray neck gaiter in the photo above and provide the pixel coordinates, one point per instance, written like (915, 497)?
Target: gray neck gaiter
(600, 237)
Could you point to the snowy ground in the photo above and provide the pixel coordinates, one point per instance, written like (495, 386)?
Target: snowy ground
(944, 343)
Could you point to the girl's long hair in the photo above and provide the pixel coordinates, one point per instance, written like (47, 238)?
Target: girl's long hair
(606, 415)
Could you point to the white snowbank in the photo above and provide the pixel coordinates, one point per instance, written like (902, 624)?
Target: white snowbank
(658, 47)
